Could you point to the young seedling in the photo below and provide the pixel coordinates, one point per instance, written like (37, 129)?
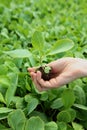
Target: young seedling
(46, 72)
(38, 43)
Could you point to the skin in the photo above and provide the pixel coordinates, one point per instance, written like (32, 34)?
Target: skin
(64, 71)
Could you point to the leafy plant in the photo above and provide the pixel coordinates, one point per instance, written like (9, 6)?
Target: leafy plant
(34, 34)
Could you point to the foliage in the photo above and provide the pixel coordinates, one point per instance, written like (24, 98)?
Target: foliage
(34, 33)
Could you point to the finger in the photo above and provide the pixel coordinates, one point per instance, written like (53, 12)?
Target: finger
(45, 84)
(37, 85)
(31, 69)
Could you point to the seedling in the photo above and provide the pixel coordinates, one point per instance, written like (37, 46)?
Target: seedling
(43, 50)
(46, 72)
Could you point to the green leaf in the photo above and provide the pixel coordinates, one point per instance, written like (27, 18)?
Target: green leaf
(4, 115)
(64, 116)
(2, 98)
(4, 81)
(34, 123)
(3, 69)
(12, 88)
(62, 126)
(44, 96)
(38, 40)
(32, 105)
(68, 98)
(82, 107)
(19, 53)
(77, 126)
(57, 103)
(5, 110)
(72, 113)
(80, 95)
(4, 32)
(42, 115)
(61, 46)
(16, 120)
(51, 126)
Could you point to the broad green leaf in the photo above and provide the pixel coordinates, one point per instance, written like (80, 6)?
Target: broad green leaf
(51, 126)
(62, 126)
(44, 96)
(11, 66)
(2, 98)
(19, 103)
(61, 46)
(57, 103)
(80, 95)
(72, 113)
(68, 98)
(77, 126)
(38, 40)
(32, 105)
(64, 116)
(4, 81)
(5, 110)
(4, 33)
(3, 69)
(34, 123)
(16, 120)
(82, 107)
(19, 53)
(42, 115)
(12, 88)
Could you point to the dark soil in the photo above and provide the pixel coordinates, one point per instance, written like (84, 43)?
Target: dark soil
(45, 75)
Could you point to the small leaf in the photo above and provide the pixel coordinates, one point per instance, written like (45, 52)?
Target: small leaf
(5, 110)
(77, 126)
(57, 103)
(80, 95)
(64, 116)
(42, 115)
(72, 113)
(4, 81)
(12, 88)
(51, 126)
(61, 46)
(44, 96)
(82, 107)
(38, 40)
(2, 98)
(47, 69)
(34, 123)
(4, 32)
(68, 98)
(32, 105)
(62, 126)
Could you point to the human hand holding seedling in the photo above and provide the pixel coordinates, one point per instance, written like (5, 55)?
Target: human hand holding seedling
(63, 71)
(46, 72)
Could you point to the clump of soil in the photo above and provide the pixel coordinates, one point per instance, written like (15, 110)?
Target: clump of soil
(46, 72)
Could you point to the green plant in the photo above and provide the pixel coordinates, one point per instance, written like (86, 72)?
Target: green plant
(21, 106)
(41, 50)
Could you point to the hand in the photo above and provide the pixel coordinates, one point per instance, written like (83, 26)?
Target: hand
(64, 71)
